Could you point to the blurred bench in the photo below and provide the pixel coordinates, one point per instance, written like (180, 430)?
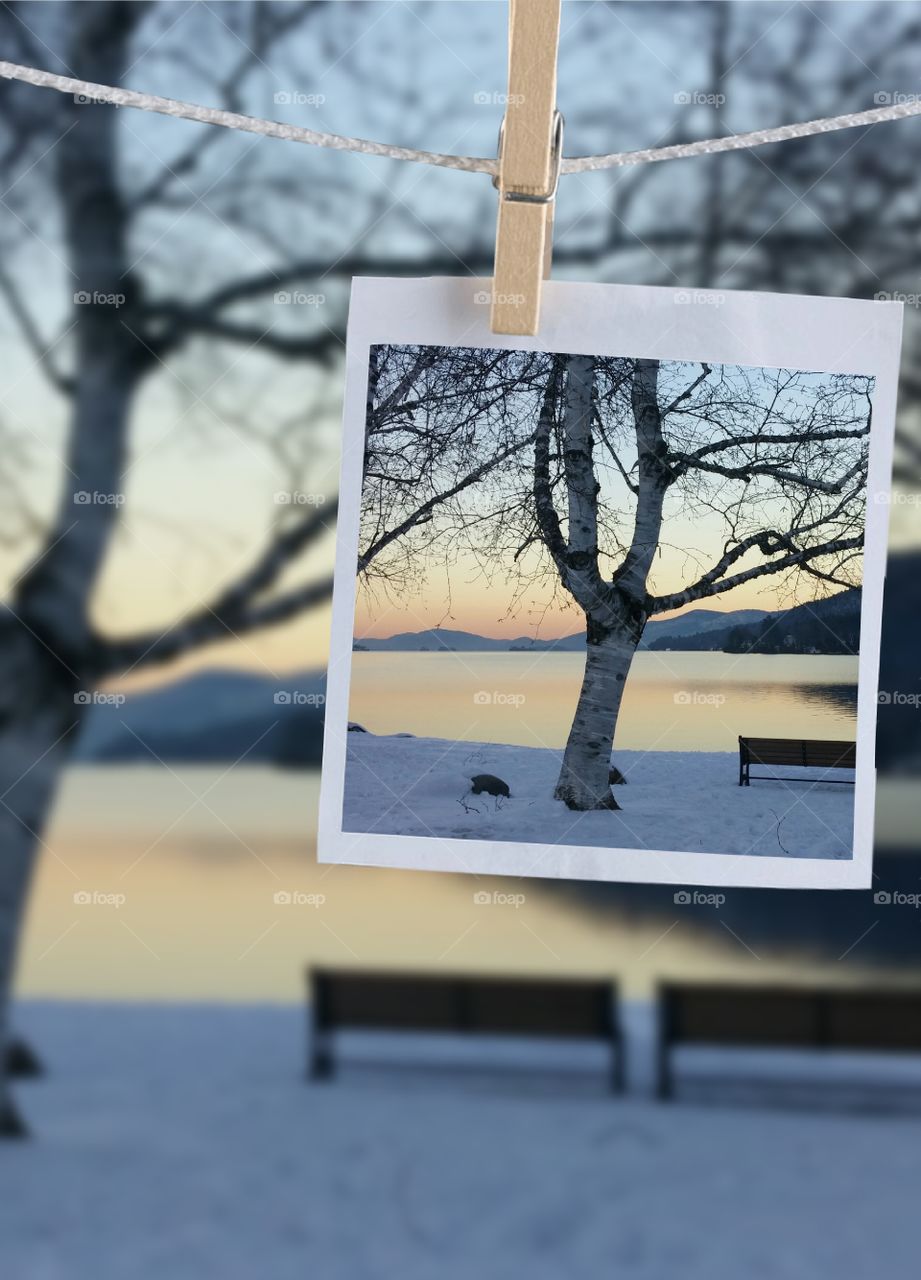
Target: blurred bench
(462, 1005)
(736, 1016)
(801, 753)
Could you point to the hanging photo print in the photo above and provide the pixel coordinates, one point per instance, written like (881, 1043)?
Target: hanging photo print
(607, 600)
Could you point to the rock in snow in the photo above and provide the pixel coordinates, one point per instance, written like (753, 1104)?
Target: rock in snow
(490, 784)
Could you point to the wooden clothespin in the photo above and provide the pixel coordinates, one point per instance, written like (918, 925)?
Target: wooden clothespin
(530, 153)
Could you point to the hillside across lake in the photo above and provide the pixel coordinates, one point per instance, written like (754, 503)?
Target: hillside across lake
(830, 626)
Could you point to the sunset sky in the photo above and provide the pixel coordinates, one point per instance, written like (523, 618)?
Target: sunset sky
(472, 605)
(482, 593)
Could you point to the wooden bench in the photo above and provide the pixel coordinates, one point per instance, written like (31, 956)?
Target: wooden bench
(801, 753)
(736, 1016)
(463, 1005)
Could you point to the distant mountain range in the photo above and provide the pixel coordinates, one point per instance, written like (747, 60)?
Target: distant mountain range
(226, 716)
(212, 716)
(828, 626)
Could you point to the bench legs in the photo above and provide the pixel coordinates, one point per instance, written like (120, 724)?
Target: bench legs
(617, 1066)
(320, 1061)
(322, 1065)
(664, 1035)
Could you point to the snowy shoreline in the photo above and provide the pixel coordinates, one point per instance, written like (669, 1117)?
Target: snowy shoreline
(685, 801)
(182, 1142)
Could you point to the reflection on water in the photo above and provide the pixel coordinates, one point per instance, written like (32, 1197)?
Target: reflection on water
(198, 855)
(840, 697)
(203, 884)
(673, 701)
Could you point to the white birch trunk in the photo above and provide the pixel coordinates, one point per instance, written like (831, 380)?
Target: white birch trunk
(614, 611)
(583, 781)
(49, 649)
(37, 714)
(48, 655)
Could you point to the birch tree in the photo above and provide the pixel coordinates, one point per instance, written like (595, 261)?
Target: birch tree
(52, 649)
(586, 465)
(740, 444)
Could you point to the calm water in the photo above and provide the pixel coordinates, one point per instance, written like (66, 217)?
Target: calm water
(673, 701)
(164, 884)
(176, 872)
(195, 856)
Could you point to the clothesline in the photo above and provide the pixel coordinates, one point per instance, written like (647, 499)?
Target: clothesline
(119, 97)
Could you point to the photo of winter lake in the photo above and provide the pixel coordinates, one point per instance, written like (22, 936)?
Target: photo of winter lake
(608, 603)
(680, 720)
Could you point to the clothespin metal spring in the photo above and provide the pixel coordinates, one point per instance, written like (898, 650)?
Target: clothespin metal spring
(526, 197)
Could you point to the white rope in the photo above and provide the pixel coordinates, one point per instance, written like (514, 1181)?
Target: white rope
(742, 141)
(89, 92)
(86, 90)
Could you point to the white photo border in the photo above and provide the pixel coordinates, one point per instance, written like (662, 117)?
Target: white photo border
(762, 330)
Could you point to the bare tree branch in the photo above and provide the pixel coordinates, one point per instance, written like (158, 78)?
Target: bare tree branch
(238, 609)
(709, 586)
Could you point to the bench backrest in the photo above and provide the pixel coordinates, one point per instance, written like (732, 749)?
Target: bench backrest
(737, 1015)
(524, 1006)
(804, 753)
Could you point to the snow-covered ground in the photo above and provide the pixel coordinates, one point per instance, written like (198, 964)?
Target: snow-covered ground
(686, 801)
(182, 1142)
